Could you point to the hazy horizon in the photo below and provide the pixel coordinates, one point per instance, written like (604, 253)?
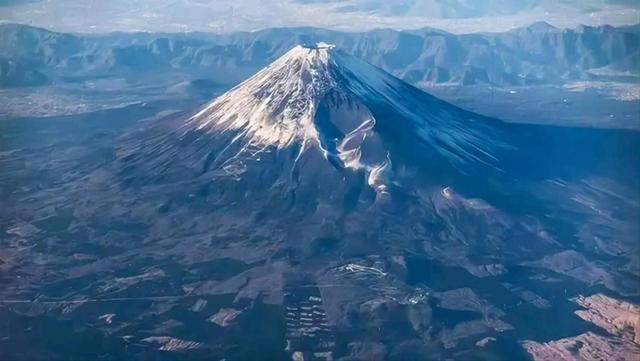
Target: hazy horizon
(222, 16)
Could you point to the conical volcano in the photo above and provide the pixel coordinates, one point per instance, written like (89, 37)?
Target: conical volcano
(326, 146)
(321, 145)
(319, 102)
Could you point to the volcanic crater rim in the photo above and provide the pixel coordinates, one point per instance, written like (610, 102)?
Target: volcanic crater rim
(318, 46)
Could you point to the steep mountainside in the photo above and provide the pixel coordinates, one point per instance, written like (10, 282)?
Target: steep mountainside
(320, 133)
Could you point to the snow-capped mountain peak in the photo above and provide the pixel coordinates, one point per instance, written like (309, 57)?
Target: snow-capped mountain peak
(314, 96)
(317, 100)
(277, 105)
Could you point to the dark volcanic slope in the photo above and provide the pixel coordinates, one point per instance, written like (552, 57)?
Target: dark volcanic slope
(321, 206)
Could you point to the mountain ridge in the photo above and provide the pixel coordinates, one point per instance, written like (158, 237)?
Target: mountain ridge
(422, 56)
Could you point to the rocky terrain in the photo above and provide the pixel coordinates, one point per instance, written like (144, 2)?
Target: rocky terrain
(620, 319)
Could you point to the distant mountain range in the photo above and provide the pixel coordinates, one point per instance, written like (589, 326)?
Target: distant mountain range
(536, 54)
